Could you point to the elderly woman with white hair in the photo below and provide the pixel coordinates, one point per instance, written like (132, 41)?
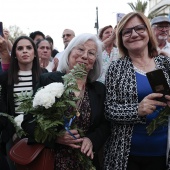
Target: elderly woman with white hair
(84, 49)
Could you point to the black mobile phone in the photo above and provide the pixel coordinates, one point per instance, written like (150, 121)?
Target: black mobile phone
(1, 29)
(158, 83)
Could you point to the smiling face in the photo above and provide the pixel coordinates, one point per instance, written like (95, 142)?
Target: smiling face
(161, 31)
(24, 54)
(136, 42)
(83, 54)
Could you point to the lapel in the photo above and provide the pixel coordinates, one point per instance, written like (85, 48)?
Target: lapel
(96, 95)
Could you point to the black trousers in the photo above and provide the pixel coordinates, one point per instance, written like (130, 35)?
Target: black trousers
(146, 163)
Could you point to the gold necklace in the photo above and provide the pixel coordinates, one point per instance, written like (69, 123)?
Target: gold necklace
(79, 102)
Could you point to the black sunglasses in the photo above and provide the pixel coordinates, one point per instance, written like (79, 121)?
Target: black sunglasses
(138, 29)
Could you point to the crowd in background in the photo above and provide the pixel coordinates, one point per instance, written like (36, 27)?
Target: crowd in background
(117, 101)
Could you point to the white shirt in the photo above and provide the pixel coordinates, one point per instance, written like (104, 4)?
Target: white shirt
(166, 48)
(106, 61)
(59, 56)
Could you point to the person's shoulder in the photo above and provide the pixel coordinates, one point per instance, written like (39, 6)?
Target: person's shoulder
(53, 76)
(162, 58)
(98, 86)
(3, 76)
(58, 55)
(118, 63)
(44, 70)
(168, 43)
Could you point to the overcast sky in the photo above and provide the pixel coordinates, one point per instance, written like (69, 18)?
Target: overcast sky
(53, 16)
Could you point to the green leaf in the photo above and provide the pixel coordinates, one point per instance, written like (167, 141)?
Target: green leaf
(161, 120)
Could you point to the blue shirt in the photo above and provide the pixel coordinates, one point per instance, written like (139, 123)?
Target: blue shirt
(142, 144)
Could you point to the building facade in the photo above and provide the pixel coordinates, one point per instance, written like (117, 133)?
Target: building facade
(159, 7)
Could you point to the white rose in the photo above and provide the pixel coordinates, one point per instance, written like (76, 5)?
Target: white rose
(43, 98)
(55, 89)
(18, 119)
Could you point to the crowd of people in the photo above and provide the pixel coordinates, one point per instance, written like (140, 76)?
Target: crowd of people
(116, 103)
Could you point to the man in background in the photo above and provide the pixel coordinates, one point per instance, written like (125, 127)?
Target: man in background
(67, 36)
(161, 26)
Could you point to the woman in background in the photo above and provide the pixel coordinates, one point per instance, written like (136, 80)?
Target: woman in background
(110, 51)
(44, 49)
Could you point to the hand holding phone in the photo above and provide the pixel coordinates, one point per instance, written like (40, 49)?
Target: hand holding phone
(158, 83)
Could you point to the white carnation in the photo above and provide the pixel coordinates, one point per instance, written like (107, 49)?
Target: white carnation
(18, 119)
(55, 89)
(43, 98)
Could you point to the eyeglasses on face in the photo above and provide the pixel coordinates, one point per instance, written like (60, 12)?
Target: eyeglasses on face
(161, 27)
(80, 50)
(66, 35)
(127, 32)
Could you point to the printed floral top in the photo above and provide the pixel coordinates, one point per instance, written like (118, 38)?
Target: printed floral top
(106, 61)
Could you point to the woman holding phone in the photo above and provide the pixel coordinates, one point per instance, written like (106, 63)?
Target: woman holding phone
(130, 102)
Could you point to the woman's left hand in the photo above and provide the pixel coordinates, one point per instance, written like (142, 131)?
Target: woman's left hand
(87, 147)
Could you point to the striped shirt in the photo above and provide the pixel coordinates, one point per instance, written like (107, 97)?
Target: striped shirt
(25, 84)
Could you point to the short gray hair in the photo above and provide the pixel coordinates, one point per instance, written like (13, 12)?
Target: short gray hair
(93, 74)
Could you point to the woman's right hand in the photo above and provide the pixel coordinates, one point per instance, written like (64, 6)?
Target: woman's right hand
(109, 40)
(69, 140)
(149, 103)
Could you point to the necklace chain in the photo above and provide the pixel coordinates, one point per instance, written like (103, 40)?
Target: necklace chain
(79, 102)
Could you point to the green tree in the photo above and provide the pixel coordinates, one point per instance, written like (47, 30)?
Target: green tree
(139, 6)
(15, 32)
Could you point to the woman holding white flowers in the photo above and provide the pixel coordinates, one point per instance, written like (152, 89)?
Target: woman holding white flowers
(22, 75)
(84, 49)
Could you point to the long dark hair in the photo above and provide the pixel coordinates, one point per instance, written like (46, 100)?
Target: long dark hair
(14, 67)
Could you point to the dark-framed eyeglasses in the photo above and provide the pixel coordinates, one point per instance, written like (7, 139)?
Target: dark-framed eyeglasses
(66, 35)
(127, 32)
(91, 54)
(161, 27)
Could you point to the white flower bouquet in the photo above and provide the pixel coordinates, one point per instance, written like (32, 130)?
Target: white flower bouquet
(46, 96)
(18, 119)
